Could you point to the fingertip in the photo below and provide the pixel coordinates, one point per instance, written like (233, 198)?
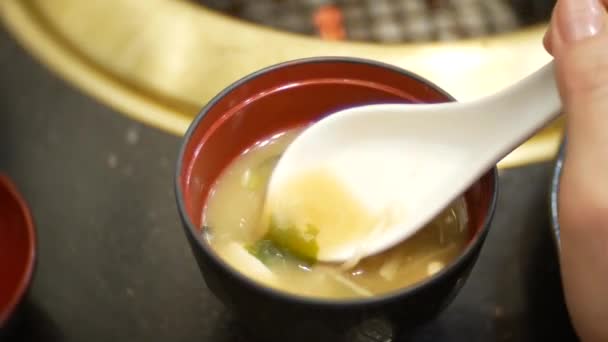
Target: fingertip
(548, 37)
(547, 41)
(578, 20)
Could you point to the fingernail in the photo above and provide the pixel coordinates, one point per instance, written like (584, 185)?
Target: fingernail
(580, 19)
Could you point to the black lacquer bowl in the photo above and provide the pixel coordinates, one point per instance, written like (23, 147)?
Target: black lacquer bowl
(274, 100)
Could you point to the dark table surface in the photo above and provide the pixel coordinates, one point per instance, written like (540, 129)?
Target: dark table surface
(114, 264)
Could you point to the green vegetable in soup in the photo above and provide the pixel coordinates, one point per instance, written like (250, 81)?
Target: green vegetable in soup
(266, 251)
(303, 245)
(270, 254)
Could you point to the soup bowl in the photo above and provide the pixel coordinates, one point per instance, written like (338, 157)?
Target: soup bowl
(273, 100)
(17, 252)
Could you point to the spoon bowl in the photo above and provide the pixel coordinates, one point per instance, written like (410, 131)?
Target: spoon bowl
(404, 163)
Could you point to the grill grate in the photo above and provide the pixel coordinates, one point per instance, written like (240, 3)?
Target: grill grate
(394, 21)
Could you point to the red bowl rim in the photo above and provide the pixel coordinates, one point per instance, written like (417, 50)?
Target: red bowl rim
(283, 295)
(24, 284)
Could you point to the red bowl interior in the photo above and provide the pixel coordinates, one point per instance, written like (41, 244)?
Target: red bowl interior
(17, 248)
(289, 95)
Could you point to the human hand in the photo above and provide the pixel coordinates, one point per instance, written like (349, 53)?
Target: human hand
(578, 40)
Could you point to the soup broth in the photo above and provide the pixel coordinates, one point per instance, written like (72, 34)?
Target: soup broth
(233, 227)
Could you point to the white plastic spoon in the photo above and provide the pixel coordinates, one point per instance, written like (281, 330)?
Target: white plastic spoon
(410, 161)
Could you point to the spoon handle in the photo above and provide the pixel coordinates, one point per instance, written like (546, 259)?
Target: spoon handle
(524, 108)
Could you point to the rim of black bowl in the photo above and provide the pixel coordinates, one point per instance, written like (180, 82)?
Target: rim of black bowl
(284, 295)
(554, 194)
(26, 282)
